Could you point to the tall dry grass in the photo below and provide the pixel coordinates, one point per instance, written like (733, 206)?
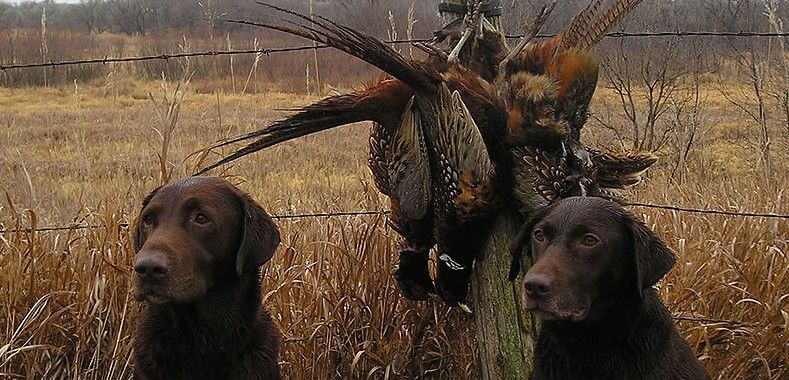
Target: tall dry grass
(88, 155)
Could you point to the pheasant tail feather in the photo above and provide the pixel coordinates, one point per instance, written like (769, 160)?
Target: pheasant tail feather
(363, 46)
(587, 28)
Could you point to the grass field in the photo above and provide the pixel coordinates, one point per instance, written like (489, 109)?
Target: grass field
(88, 155)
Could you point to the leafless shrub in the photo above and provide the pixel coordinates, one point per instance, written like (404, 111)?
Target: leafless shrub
(645, 79)
(764, 70)
(688, 123)
(778, 88)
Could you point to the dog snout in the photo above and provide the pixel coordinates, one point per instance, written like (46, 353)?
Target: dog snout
(537, 286)
(152, 266)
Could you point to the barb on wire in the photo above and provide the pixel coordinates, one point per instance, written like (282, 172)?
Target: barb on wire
(268, 51)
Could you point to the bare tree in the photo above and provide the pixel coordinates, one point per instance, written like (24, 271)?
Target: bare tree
(644, 80)
(752, 58)
(687, 126)
(778, 88)
(5, 9)
(211, 14)
(93, 16)
(131, 16)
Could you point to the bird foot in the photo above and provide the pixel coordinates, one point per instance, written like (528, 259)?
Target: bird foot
(471, 22)
(452, 285)
(412, 275)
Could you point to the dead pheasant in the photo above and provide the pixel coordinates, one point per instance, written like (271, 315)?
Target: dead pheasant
(449, 145)
(547, 87)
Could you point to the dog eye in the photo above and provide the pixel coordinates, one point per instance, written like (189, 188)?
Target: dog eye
(146, 220)
(589, 240)
(538, 235)
(201, 218)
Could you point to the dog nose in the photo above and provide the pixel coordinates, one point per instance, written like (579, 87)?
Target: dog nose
(537, 286)
(151, 266)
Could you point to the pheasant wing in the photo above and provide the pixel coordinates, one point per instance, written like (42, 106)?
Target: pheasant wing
(620, 171)
(538, 178)
(408, 166)
(464, 171)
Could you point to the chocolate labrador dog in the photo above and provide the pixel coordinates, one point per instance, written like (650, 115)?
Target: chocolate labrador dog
(594, 265)
(200, 243)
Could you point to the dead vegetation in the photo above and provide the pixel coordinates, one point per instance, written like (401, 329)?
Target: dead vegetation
(76, 155)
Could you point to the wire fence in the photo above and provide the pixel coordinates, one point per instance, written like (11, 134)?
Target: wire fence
(677, 316)
(744, 214)
(78, 226)
(749, 214)
(268, 51)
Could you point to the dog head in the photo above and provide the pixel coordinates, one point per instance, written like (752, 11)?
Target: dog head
(196, 233)
(587, 253)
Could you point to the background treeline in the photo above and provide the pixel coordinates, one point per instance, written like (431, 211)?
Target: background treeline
(45, 31)
(144, 17)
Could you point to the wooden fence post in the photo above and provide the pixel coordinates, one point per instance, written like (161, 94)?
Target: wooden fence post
(505, 331)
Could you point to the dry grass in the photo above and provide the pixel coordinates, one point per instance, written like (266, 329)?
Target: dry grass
(88, 154)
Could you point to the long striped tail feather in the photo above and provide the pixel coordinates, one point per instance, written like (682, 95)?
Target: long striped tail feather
(326, 114)
(588, 27)
(360, 45)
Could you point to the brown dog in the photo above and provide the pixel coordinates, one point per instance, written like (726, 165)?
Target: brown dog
(200, 243)
(594, 265)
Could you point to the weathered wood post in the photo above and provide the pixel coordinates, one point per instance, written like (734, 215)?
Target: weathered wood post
(505, 332)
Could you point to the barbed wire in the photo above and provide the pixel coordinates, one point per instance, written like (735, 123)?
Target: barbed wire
(677, 316)
(684, 34)
(746, 214)
(74, 227)
(164, 57)
(268, 51)
(709, 211)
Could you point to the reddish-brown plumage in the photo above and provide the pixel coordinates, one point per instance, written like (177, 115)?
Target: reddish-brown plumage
(384, 101)
(571, 68)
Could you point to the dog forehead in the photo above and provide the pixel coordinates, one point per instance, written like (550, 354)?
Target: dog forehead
(587, 211)
(202, 190)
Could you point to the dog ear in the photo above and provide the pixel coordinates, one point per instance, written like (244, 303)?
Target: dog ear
(523, 240)
(652, 258)
(259, 239)
(138, 240)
